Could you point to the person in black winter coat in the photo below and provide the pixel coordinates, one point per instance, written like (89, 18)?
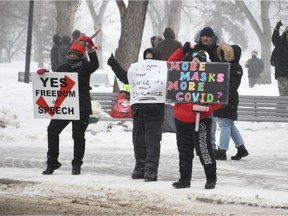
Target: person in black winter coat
(63, 49)
(255, 68)
(227, 114)
(76, 62)
(279, 58)
(147, 126)
(54, 52)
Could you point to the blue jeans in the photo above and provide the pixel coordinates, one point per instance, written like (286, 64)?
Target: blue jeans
(227, 130)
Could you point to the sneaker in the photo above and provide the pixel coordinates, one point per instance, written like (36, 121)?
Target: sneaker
(221, 154)
(241, 152)
(50, 168)
(182, 183)
(76, 170)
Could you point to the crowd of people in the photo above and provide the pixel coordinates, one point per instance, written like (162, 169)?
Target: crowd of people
(148, 118)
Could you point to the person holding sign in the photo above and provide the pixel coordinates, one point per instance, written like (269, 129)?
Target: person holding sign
(188, 138)
(76, 63)
(147, 126)
(227, 114)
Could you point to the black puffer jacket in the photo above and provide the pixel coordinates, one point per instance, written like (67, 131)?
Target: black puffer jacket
(280, 54)
(84, 72)
(149, 111)
(231, 54)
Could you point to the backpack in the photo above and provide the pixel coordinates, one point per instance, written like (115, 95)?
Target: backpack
(122, 108)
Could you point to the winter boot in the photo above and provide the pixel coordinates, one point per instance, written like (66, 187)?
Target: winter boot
(182, 183)
(241, 152)
(51, 167)
(149, 178)
(76, 170)
(221, 154)
(211, 183)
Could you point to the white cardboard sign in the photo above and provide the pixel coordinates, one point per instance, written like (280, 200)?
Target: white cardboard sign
(56, 96)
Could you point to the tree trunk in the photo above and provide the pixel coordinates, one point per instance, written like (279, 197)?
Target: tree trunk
(97, 19)
(263, 35)
(175, 16)
(66, 11)
(132, 26)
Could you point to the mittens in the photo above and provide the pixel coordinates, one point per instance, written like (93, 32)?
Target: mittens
(41, 71)
(278, 25)
(186, 47)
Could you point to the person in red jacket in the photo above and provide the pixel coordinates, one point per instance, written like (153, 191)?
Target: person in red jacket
(187, 137)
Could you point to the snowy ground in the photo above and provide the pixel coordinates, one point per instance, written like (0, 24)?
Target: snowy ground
(255, 185)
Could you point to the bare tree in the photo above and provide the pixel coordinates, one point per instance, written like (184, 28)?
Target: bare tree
(263, 31)
(132, 26)
(66, 11)
(97, 19)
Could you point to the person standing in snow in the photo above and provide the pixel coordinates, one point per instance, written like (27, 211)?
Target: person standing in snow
(63, 49)
(187, 137)
(227, 114)
(279, 58)
(147, 126)
(169, 45)
(255, 68)
(76, 62)
(54, 52)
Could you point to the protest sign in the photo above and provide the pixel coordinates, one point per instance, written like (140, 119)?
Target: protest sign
(148, 80)
(205, 82)
(56, 96)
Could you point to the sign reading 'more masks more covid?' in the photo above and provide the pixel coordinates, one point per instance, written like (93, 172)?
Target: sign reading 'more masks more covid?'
(56, 96)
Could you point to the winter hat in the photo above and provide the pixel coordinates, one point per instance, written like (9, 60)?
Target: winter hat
(169, 33)
(78, 47)
(57, 39)
(155, 51)
(207, 31)
(202, 56)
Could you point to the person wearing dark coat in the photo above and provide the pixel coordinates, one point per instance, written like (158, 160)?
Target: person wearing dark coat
(147, 126)
(255, 67)
(75, 63)
(227, 114)
(54, 52)
(169, 45)
(63, 49)
(279, 58)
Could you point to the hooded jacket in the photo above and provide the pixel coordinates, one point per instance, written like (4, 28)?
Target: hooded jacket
(227, 53)
(280, 53)
(149, 111)
(169, 45)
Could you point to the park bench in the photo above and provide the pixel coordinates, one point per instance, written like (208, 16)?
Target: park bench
(251, 108)
(263, 108)
(21, 76)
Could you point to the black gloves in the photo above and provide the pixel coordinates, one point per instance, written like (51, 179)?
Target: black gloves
(186, 47)
(112, 62)
(278, 25)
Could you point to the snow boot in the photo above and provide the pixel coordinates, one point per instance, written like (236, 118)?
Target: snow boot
(51, 167)
(138, 174)
(182, 183)
(150, 179)
(221, 154)
(76, 170)
(241, 152)
(211, 183)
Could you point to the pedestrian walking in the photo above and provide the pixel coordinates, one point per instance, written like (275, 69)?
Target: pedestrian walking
(255, 67)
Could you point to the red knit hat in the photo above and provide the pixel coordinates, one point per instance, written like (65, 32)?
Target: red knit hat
(78, 47)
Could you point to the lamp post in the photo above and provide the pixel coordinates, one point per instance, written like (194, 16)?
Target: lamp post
(29, 42)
